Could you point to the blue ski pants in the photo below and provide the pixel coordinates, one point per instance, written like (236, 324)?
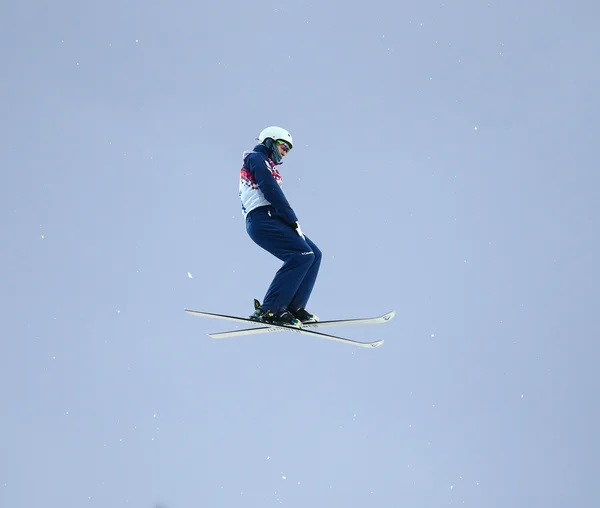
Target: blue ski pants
(294, 281)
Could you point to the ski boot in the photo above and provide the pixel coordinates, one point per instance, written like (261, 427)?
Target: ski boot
(305, 317)
(282, 318)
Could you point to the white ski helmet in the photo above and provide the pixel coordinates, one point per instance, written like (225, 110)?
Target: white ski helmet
(276, 133)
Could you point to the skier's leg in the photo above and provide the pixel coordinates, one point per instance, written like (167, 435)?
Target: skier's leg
(305, 288)
(285, 283)
(279, 239)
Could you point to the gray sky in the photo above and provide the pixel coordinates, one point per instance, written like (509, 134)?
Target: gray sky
(443, 163)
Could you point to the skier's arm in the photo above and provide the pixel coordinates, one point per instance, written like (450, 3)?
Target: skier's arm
(270, 189)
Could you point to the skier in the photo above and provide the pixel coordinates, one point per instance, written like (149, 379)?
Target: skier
(272, 224)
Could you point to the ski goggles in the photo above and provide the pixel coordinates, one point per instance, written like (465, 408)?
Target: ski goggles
(284, 145)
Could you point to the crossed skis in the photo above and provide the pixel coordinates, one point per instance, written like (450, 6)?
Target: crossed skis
(304, 330)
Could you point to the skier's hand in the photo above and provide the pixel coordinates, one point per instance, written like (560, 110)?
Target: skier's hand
(299, 230)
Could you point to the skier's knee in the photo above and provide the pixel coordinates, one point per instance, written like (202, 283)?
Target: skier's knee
(317, 254)
(305, 258)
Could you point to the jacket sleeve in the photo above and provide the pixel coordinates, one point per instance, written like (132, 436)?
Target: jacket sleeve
(270, 188)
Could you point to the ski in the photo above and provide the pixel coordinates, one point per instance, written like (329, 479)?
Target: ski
(302, 331)
(320, 324)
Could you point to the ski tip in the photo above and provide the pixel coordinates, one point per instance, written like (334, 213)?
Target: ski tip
(375, 344)
(389, 316)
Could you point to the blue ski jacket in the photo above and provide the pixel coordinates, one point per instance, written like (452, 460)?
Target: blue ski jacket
(260, 185)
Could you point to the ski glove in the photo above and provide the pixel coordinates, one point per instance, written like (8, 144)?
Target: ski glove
(299, 230)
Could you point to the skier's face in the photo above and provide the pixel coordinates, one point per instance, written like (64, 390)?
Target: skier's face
(283, 148)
